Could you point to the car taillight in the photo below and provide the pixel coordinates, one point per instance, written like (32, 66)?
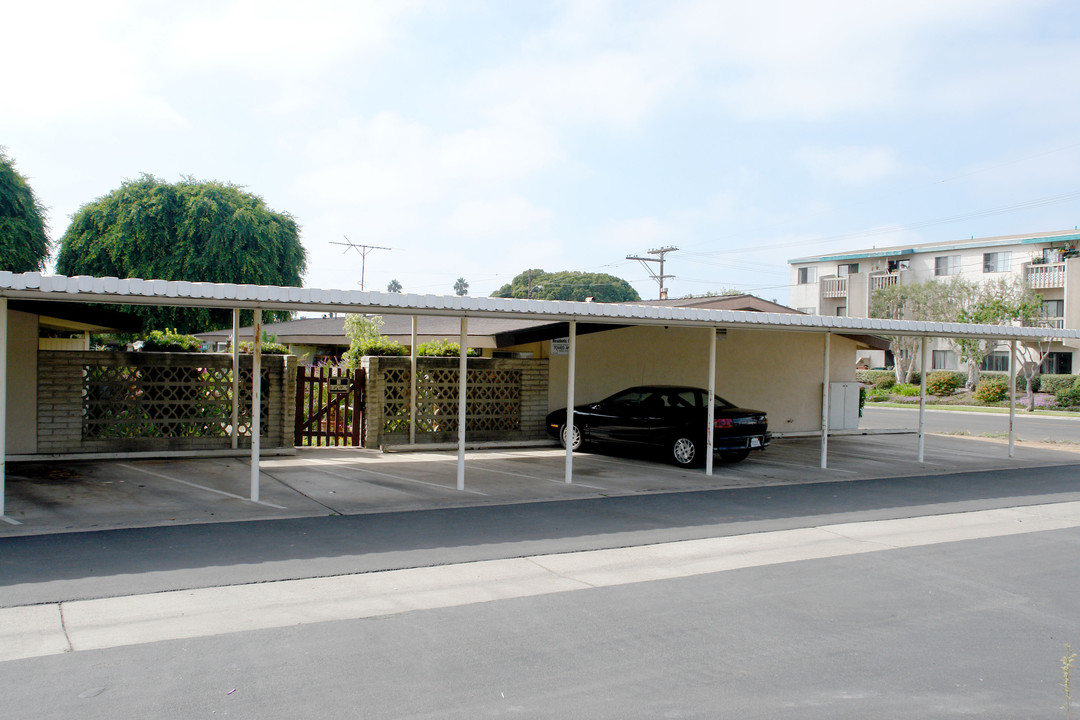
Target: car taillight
(722, 423)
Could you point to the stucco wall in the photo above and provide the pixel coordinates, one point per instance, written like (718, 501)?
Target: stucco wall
(22, 383)
(1072, 303)
(778, 372)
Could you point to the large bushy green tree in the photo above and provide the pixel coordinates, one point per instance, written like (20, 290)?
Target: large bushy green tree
(189, 230)
(568, 285)
(24, 241)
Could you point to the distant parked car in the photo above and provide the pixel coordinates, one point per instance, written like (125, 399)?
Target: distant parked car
(668, 417)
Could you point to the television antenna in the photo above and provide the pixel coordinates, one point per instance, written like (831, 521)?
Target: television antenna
(363, 251)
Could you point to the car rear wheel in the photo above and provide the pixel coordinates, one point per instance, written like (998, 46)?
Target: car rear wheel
(735, 456)
(684, 452)
(576, 444)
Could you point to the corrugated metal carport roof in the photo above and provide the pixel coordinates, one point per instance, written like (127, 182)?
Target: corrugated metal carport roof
(134, 291)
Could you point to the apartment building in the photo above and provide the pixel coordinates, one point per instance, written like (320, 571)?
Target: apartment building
(842, 283)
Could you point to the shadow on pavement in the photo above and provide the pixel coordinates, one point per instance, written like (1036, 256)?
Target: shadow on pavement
(45, 568)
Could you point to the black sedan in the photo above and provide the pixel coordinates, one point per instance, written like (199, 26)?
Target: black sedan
(668, 417)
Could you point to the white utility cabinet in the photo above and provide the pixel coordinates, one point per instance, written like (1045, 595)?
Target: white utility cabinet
(843, 405)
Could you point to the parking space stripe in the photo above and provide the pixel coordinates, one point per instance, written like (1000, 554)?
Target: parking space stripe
(393, 477)
(200, 487)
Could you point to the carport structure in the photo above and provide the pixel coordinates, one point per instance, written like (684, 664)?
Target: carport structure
(134, 291)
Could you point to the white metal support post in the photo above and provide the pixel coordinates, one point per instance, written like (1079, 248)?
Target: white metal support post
(711, 414)
(256, 402)
(571, 362)
(923, 347)
(825, 406)
(463, 367)
(1012, 397)
(412, 385)
(3, 401)
(235, 433)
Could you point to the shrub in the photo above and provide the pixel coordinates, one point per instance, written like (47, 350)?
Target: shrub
(1053, 383)
(266, 348)
(943, 382)
(992, 389)
(439, 348)
(380, 345)
(906, 390)
(876, 378)
(877, 395)
(1069, 398)
(1021, 383)
(170, 341)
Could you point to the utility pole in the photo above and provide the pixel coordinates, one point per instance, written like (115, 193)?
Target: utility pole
(659, 277)
(363, 250)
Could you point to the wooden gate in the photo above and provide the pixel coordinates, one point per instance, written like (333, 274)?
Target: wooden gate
(329, 406)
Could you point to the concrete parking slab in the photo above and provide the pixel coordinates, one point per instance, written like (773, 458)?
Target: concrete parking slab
(67, 496)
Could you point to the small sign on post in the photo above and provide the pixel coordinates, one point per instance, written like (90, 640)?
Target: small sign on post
(338, 384)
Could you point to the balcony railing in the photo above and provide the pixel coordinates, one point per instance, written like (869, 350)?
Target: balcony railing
(880, 282)
(1055, 322)
(1045, 275)
(834, 287)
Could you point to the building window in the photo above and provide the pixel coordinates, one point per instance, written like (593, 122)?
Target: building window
(841, 311)
(898, 265)
(847, 269)
(1057, 363)
(996, 362)
(807, 275)
(1053, 308)
(996, 262)
(808, 310)
(947, 265)
(944, 360)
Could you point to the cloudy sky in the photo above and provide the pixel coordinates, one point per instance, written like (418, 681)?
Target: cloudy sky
(478, 138)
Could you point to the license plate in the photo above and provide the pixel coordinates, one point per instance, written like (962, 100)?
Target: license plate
(755, 442)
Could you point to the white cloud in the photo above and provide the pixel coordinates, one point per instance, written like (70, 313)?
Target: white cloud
(855, 165)
(510, 216)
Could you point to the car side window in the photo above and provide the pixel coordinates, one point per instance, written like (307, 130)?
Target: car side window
(628, 401)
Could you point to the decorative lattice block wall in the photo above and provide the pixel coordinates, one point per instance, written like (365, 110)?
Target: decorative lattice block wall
(506, 399)
(123, 402)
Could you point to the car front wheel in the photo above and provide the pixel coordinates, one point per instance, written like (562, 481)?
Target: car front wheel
(576, 444)
(684, 452)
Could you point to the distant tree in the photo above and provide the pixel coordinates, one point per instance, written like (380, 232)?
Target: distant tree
(999, 302)
(24, 243)
(461, 286)
(568, 285)
(393, 286)
(197, 231)
(930, 300)
(366, 338)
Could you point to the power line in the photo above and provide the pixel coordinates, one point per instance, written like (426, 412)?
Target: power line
(658, 276)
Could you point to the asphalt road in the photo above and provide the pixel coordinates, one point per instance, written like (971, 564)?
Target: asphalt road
(965, 628)
(1036, 428)
(969, 629)
(67, 566)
